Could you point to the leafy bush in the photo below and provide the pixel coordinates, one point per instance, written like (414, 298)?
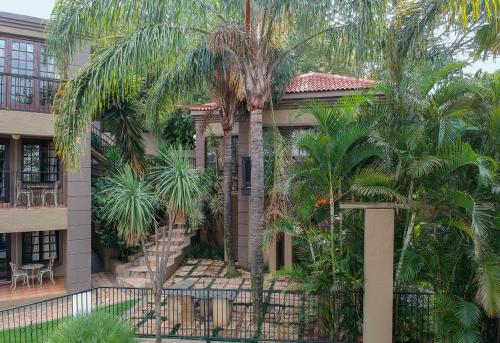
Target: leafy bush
(206, 250)
(97, 327)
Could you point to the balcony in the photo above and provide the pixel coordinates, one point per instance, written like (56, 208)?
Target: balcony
(31, 189)
(27, 93)
(31, 200)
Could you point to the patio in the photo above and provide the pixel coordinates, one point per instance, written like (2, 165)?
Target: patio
(23, 295)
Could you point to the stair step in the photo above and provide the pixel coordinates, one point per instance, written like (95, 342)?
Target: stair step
(134, 282)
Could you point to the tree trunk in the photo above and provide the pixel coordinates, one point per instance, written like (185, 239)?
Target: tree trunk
(406, 242)
(228, 185)
(256, 212)
(157, 297)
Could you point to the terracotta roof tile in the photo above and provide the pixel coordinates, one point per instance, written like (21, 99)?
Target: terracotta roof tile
(311, 82)
(205, 107)
(322, 82)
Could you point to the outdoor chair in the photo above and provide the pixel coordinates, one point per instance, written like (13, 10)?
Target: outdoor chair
(47, 270)
(16, 274)
(22, 190)
(51, 191)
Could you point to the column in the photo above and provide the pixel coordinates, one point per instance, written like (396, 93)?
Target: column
(378, 272)
(78, 237)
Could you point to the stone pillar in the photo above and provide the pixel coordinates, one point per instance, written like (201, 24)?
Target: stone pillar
(270, 255)
(378, 271)
(288, 250)
(200, 146)
(77, 254)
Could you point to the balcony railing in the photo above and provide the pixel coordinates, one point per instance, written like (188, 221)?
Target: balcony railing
(27, 93)
(31, 189)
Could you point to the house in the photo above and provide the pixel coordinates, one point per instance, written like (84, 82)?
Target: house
(306, 87)
(44, 210)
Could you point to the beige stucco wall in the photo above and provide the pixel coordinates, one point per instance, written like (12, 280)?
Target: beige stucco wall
(33, 219)
(26, 123)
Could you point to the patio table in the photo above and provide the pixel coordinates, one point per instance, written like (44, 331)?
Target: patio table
(32, 267)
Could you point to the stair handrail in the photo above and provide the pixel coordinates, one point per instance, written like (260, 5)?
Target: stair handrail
(100, 141)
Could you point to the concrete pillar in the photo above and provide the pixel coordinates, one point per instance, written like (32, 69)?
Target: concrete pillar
(288, 250)
(270, 255)
(77, 256)
(378, 271)
(200, 146)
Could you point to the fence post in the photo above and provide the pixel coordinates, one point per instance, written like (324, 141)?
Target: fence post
(207, 315)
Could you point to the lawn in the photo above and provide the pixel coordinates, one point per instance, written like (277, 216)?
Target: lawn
(38, 333)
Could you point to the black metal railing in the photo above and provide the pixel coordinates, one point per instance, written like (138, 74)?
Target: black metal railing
(100, 141)
(31, 189)
(227, 314)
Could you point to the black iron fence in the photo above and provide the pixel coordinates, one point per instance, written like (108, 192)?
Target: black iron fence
(225, 314)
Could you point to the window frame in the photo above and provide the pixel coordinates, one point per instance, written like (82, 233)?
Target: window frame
(41, 250)
(41, 88)
(44, 172)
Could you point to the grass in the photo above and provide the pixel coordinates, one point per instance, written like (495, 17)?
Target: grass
(38, 333)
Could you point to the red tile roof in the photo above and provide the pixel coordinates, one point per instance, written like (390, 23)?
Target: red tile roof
(205, 107)
(311, 82)
(322, 82)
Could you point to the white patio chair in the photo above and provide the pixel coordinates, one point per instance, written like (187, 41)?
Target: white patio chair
(16, 274)
(22, 190)
(51, 191)
(47, 270)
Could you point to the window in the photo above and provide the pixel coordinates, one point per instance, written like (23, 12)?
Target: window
(29, 78)
(212, 154)
(49, 85)
(39, 162)
(22, 64)
(2, 70)
(39, 246)
(246, 174)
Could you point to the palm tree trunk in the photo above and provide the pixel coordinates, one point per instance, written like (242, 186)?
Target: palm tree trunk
(228, 185)
(256, 212)
(406, 242)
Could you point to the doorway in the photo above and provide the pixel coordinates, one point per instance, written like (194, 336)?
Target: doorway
(4, 256)
(4, 172)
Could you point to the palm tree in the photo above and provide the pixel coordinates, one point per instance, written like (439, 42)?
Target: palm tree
(334, 152)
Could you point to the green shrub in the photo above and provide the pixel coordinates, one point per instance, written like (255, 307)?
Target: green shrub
(97, 327)
(205, 250)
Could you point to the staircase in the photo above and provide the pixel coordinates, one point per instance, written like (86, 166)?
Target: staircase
(135, 272)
